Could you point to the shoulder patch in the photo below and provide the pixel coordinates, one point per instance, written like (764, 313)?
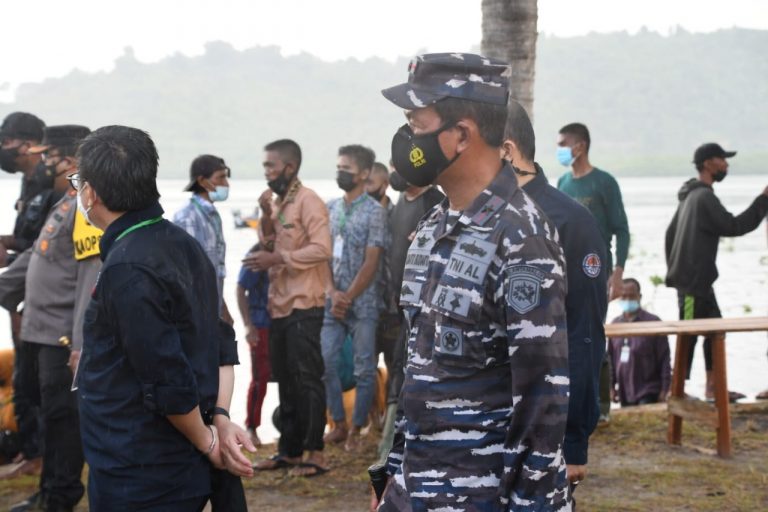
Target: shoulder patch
(524, 287)
(592, 265)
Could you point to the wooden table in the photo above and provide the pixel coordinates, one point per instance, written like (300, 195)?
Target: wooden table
(718, 416)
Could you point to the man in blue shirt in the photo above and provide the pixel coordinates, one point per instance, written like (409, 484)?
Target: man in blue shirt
(358, 235)
(586, 300)
(153, 398)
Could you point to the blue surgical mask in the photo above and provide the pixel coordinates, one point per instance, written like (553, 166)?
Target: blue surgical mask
(565, 155)
(218, 194)
(629, 306)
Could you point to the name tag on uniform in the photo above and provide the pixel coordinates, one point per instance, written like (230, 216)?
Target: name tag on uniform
(624, 358)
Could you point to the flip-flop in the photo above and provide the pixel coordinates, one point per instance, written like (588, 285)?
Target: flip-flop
(319, 470)
(280, 463)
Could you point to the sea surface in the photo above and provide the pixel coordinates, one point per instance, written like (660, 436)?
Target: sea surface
(742, 289)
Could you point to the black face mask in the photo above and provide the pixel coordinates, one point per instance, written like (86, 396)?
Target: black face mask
(397, 182)
(345, 181)
(8, 158)
(280, 184)
(378, 195)
(719, 176)
(419, 158)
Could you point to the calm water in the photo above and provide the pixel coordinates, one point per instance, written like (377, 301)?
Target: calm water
(650, 203)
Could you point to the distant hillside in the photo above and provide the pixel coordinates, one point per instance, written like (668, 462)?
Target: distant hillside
(648, 99)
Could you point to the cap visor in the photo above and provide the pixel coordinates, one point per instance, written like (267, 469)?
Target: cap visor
(729, 154)
(36, 150)
(405, 96)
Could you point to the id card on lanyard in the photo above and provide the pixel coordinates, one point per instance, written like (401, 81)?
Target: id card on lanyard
(338, 241)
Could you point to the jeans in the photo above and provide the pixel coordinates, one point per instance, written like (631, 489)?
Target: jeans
(297, 365)
(48, 384)
(363, 331)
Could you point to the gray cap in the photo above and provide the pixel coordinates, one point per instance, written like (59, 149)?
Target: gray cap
(436, 76)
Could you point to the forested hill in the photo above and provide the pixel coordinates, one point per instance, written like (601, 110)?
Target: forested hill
(648, 99)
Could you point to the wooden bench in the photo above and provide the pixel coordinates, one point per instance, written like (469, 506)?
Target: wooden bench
(718, 416)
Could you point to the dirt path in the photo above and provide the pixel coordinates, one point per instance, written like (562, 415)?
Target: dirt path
(631, 469)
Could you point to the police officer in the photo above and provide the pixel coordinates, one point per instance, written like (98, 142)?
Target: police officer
(586, 303)
(485, 395)
(60, 275)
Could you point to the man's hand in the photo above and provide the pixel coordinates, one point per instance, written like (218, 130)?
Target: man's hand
(339, 304)
(252, 335)
(261, 260)
(265, 202)
(231, 441)
(74, 360)
(576, 472)
(615, 284)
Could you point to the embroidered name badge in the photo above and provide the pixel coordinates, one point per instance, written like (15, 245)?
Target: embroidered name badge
(524, 292)
(592, 265)
(451, 341)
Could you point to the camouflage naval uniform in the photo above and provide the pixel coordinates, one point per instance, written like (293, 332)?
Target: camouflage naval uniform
(485, 398)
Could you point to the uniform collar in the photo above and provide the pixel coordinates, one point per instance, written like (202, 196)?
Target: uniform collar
(538, 184)
(124, 222)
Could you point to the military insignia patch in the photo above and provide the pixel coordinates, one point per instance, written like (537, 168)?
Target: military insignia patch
(451, 341)
(592, 265)
(524, 287)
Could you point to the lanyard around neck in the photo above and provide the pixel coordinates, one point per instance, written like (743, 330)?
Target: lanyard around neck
(140, 225)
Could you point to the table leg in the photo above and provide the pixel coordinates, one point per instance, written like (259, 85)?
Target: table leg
(721, 396)
(675, 429)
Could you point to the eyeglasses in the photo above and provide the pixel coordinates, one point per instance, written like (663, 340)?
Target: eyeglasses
(75, 181)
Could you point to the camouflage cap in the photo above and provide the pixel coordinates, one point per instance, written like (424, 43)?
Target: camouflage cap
(436, 76)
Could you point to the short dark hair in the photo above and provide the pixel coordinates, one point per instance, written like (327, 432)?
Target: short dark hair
(490, 118)
(120, 163)
(380, 168)
(205, 166)
(520, 130)
(578, 130)
(363, 156)
(632, 280)
(288, 149)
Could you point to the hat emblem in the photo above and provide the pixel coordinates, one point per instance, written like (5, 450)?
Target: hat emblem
(417, 156)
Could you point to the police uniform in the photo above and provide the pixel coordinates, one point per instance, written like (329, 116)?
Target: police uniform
(485, 395)
(586, 305)
(57, 289)
(35, 203)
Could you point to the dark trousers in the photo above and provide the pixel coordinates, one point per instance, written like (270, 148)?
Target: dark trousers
(645, 400)
(260, 373)
(704, 306)
(26, 410)
(227, 494)
(46, 382)
(397, 368)
(387, 338)
(297, 365)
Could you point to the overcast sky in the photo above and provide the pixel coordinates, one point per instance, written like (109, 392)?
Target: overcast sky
(48, 38)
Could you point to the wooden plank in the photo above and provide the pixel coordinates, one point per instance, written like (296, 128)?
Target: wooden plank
(696, 410)
(719, 373)
(692, 327)
(677, 391)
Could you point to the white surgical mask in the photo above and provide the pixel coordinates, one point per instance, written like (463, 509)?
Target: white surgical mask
(83, 210)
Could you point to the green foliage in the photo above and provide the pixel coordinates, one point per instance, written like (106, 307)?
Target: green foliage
(648, 99)
(656, 280)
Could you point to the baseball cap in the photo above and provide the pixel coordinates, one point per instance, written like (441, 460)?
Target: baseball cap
(22, 125)
(204, 165)
(710, 150)
(61, 136)
(436, 76)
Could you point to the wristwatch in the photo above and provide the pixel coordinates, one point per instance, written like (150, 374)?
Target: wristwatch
(221, 411)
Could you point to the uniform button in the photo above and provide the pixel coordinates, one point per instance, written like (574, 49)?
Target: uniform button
(587, 340)
(64, 341)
